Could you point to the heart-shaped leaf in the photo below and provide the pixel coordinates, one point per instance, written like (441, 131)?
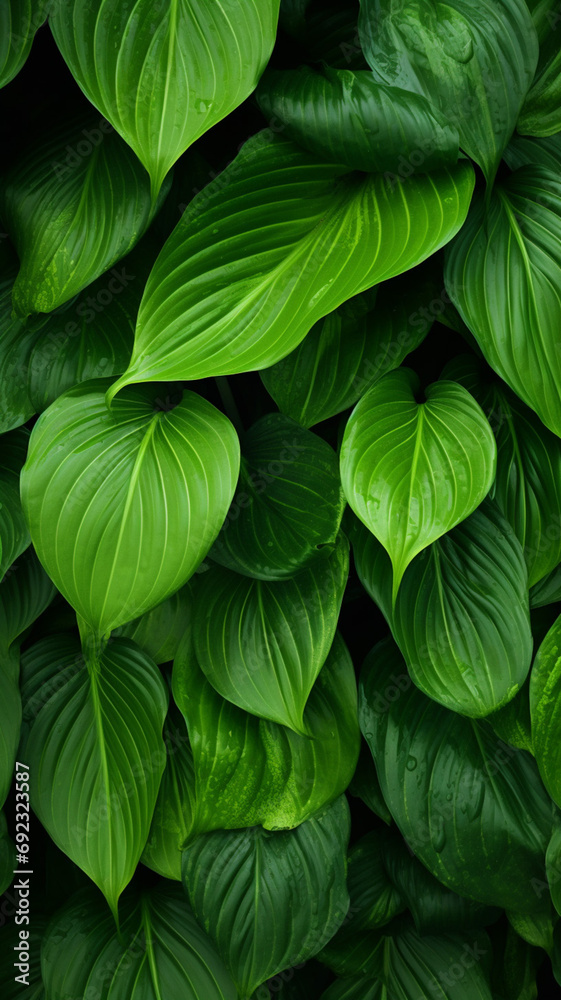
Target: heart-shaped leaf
(503, 273)
(73, 207)
(14, 536)
(541, 114)
(348, 117)
(270, 900)
(278, 240)
(107, 493)
(95, 751)
(474, 64)
(262, 645)
(288, 504)
(351, 348)
(462, 608)
(19, 20)
(250, 771)
(159, 632)
(160, 951)
(545, 710)
(413, 470)
(162, 73)
(472, 809)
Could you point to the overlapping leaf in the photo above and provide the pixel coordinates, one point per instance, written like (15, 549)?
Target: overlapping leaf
(159, 632)
(7, 856)
(278, 240)
(16, 344)
(270, 900)
(523, 151)
(250, 771)
(107, 493)
(19, 20)
(14, 536)
(411, 471)
(474, 64)
(164, 73)
(95, 751)
(541, 114)
(545, 710)
(262, 645)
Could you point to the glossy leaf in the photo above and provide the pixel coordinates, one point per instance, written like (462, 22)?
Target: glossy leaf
(95, 752)
(276, 242)
(512, 722)
(270, 900)
(19, 20)
(288, 504)
(349, 350)
(545, 710)
(159, 632)
(471, 808)
(161, 951)
(503, 273)
(541, 114)
(413, 470)
(106, 493)
(252, 772)
(348, 117)
(474, 65)
(14, 536)
(161, 73)
(262, 645)
(461, 618)
(73, 207)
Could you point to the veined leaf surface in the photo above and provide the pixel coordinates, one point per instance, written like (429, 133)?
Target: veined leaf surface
(16, 344)
(159, 632)
(19, 20)
(541, 114)
(545, 710)
(14, 535)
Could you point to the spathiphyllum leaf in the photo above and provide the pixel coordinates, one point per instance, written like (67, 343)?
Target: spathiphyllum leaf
(278, 240)
(413, 470)
(270, 900)
(160, 951)
(14, 535)
(19, 20)
(76, 204)
(159, 632)
(472, 809)
(164, 73)
(541, 113)
(348, 117)
(351, 348)
(503, 273)
(123, 504)
(288, 504)
(545, 710)
(462, 615)
(95, 751)
(252, 772)
(262, 645)
(16, 344)
(474, 64)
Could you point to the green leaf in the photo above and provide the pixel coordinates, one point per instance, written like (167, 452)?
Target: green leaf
(357, 988)
(502, 273)
(541, 114)
(348, 117)
(14, 536)
(553, 864)
(374, 898)
(413, 470)
(95, 752)
(19, 20)
(7, 856)
(16, 343)
(527, 484)
(250, 771)
(107, 493)
(162, 73)
(175, 806)
(522, 151)
(73, 206)
(548, 590)
(270, 900)
(277, 241)
(9, 938)
(366, 786)
(461, 609)
(512, 722)
(351, 348)
(536, 929)
(160, 951)
(288, 504)
(159, 632)
(262, 645)
(474, 64)
(515, 965)
(545, 710)
(471, 808)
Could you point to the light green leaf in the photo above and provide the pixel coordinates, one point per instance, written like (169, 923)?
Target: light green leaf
(19, 20)
(159, 632)
(350, 349)
(270, 900)
(541, 112)
(161, 951)
(522, 151)
(288, 505)
(107, 494)
(95, 752)
(262, 645)
(164, 73)
(277, 241)
(474, 64)
(252, 772)
(462, 609)
(545, 710)
(73, 206)
(348, 117)
(14, 536)
(412, 470)
(472, 809)
(503, 274)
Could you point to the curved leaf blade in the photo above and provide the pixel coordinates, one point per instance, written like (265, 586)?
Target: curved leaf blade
(16, 344)
(19, 20)
(545, 710)
(541, 114)
(14, 536)
(159, 632)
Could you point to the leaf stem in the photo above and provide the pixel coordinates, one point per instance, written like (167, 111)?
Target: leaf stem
(229, 403)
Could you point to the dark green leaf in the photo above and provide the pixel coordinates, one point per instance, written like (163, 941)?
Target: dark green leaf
(7, 856)
(14, 536)
(365, 785)
(159, 632)
(545, 710)
(548, 590)
(541, 113)
(16, 344)
(19, 20)
(522, 151)
(512, 723)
